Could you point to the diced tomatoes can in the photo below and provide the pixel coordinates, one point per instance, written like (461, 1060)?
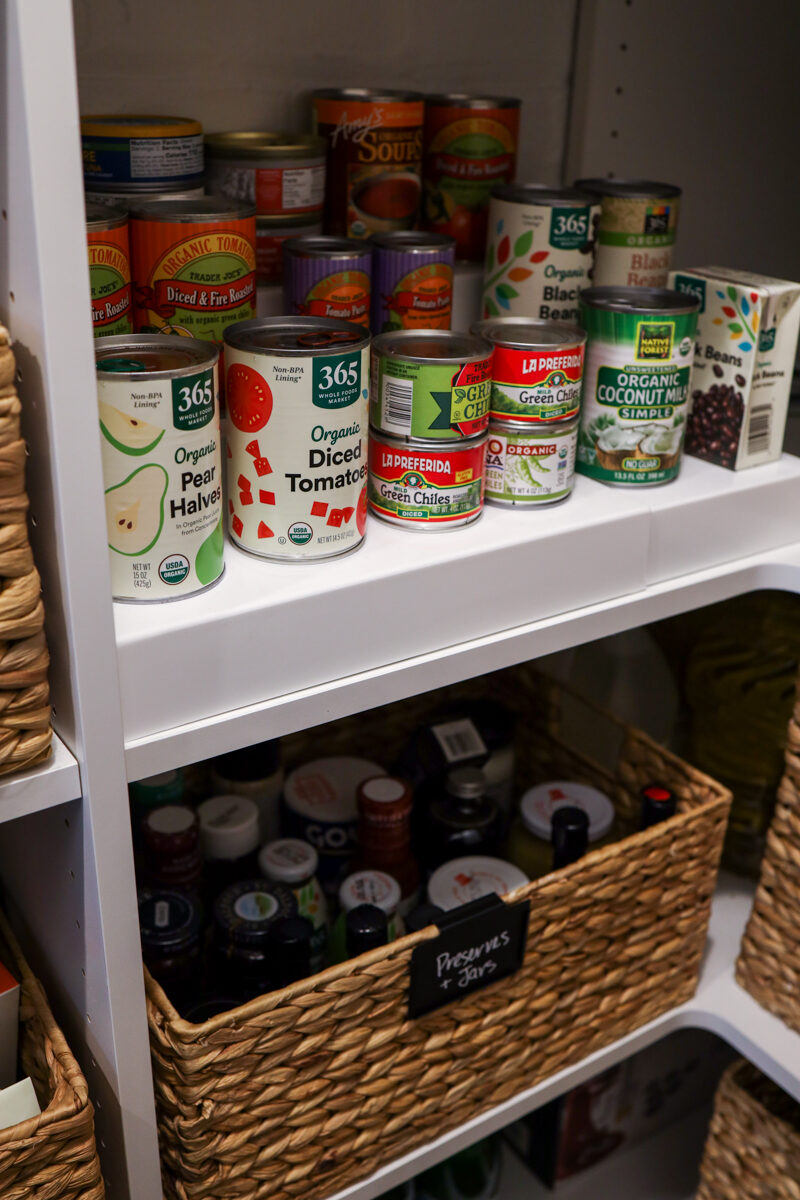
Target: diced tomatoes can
(271, 233)
(374, 160)
(297, 395)
(109, 270)
(282, 174)
(426, 485)
(412, 281)
(141, 152)
(431, 383)
(328, 277)
(470, 146)
(537, 369)
(529, 466)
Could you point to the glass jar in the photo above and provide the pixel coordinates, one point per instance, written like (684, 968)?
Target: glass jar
(229, 836)
(255, 772)
(462, 819)
(366, 887)
(384, 835)
(530, 843)
(171, 848)
(244, 915)
(294, 862)
(170, 924)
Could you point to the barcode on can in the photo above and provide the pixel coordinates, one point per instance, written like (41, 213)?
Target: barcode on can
(459, 740)
(398, 398)
(759, 429)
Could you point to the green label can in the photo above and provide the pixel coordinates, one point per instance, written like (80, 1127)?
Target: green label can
(640, 348)
(530, 466)
(431, 384)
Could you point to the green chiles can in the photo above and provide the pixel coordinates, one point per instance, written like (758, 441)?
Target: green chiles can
(636, 386)
(430, 384)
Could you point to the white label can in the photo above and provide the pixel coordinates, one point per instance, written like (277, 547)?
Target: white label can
(528, 466)
(297, 394)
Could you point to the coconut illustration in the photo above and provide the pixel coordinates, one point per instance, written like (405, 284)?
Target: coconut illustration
(614, 444)
(662, 442)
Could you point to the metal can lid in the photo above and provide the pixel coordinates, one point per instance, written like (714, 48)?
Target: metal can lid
(228, 826)
(277, 222)
(370, 887)
(509, 426)
(104, 216)
(329, 247)
(138, 125)
(255, 144)
(541, 193)
(528, 333)
(167, 920)
(181, 212)
(152, 355)
(470, 100)
(325, 789)
(633, 189)
(441, 345)
(464, 879)
(639, 299)
(366, 95)
(247, 910)
(462, 445)
(539, 803)
(110, 193)
(296, 335)
(412, 241)
(288, 860)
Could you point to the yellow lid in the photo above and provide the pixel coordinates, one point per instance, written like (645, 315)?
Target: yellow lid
(138, 125)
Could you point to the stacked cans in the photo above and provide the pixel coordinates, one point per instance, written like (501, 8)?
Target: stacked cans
(537, 375)
(429, 412)
(141, 157)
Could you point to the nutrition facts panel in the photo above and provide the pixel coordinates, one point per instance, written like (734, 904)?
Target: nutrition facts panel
(157, 158)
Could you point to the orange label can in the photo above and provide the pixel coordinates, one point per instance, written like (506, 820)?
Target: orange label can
(109, 269)
(374, 159)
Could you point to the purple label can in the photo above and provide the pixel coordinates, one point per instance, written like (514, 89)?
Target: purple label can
(412, 281)
(328, 277)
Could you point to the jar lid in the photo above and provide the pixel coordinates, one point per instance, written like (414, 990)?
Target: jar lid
(166, 788)
(167, 920)
(468, 783)
(464, 879)
(325, 789)
(246, 911)
(288, 860)
(228, 826)
(384, 799)
(539, 803)
(250, 764)
(170, 820)
(370, 887)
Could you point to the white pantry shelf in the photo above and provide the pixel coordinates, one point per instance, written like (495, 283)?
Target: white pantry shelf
(719, 1006)
(56, 781)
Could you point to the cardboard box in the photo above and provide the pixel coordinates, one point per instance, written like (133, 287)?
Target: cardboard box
(9, 1027)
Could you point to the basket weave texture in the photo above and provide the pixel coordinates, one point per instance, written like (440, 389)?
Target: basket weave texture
(769, 960)
(753, 1147)
(52, 1156)
(303, 1091)
(25, 732)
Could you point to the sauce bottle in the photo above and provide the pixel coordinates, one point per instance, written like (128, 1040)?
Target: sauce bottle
(366, 928)
(570, 834)
(658, 804)
(463, 819)
(530, 838)
(384, 835)
(366, 887)
(294, 862)
(229, 837)
(244, 915)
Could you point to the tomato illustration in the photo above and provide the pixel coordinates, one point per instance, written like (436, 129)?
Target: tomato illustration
(248, 397)
(361, 511)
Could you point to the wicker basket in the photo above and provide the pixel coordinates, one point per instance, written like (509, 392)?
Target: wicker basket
(306, 1090)
(52, 1156)
(753, 1147)
(769, 961)
(25, 733)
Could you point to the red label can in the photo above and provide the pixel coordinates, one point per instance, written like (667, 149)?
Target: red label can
(424, 484)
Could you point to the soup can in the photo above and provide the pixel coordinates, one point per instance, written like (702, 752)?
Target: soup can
(374, 160)
(129, 200)
(413, 281)
(162, 466)
(639, 354)
(282, 174)
(537, 369)
(328, 277)
(470, 146)
(297, 391)
(426, 485)
(431, 384)
(109, 269)
(529, 466)
(139, 153)
(271, 233)
(194, 265)
(635, 231)
(538, 252)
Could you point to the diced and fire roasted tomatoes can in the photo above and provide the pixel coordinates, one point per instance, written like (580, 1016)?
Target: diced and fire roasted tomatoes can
(537, 369)
(194, 266)
(282, 174)
(470, 145)
(140, 153)
(412, 281)
(297, 393)
(328, 277)
(431, 383)
(109, 269)
(424, 484)
(374, 163)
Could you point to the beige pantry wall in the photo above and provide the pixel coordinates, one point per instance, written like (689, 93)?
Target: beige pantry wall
(251, 63)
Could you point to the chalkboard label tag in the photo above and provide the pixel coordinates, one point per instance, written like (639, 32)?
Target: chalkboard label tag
(478, 944)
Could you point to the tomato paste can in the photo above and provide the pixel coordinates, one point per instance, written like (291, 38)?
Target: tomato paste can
(109, 270)
(424, 484)
(528, 466)
(431, 383)
(297, 391)
(470, 146)
(537, 369)
(141, 153)
(271, 233)
(538, 252)
(328, 277)
(282, 174)
(194, 264)
(639, 357)
(374, 162)
(128, 200)
(412, 276)
(162, 464)
(635, 231)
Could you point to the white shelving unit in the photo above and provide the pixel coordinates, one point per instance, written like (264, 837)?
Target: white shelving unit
(271, 650)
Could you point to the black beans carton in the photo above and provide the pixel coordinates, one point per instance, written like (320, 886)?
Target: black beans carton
(744, 356)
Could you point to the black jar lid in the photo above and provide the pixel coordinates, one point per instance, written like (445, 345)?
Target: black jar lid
(168, 920)
(246, 911)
